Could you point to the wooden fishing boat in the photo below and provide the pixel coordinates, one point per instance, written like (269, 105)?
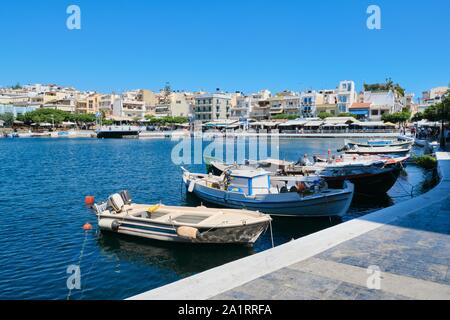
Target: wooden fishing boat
(371, 175)
(282, 196)
(198, 225)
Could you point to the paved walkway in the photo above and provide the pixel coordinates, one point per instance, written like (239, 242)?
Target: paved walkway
(408, 243)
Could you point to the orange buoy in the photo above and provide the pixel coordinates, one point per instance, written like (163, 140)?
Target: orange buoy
(87, 226)
(89, 200)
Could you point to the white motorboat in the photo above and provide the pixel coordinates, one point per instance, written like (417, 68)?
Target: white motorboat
(180, 224)
(255, 189)
(400, 151)
(380, 143)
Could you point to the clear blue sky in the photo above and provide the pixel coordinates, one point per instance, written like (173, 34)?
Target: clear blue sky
(229, 44)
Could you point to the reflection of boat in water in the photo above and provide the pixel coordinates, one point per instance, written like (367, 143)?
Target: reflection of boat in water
(182, 259)
(369, 174)
(11, 135)
(255, 189)
(180, 224)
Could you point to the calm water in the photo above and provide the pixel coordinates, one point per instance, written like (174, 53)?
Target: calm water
(42, 189)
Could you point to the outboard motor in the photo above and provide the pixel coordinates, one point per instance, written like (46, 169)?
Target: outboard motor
(126, 197)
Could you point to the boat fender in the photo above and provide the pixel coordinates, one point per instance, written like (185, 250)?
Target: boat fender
(188, 233)
(109, 224)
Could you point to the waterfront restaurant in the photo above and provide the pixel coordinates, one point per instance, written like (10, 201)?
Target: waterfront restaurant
(313, 126)
(264, 125)
(373, 126)
(292, 126)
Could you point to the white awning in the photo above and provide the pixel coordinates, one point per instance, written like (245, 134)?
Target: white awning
(294, 123)
(313, 124)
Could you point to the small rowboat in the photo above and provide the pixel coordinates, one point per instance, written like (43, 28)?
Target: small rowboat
(180, 224)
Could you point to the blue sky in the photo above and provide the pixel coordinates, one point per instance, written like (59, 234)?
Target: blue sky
(229, 44)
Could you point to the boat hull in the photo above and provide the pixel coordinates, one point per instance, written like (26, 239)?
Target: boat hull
(291, 204)
(379, 151)
(365, 145)
(369, 184)
(117, 134)
(246, 234)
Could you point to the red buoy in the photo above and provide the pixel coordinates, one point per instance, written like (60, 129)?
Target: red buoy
(89, 200)
(87, 226)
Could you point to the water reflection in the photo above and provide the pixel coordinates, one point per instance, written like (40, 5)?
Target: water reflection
(182, 258)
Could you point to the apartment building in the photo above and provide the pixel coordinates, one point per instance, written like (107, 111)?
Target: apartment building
(286, 102)
(329, 104)
(65, 104)
(309, 102)
(179, 104)
(255, 106)
(210, 107)
(381, 103)
(346, 95)
(110, 104)
(431, 97)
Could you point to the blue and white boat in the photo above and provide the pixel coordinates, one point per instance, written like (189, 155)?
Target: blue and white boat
(292, 196)
(378, 143)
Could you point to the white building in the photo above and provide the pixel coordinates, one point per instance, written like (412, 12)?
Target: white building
(309, 100)
(255, 106)
(432, 97)
(381, 103)
(110, 104)
(346, 95)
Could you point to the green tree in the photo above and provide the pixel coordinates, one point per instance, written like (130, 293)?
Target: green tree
(389, 85)
(440, 112)
(17, 86)
(324, 115)
(398, 117)
(346, 114)
(55, 117)
(417, 117)
(8, 118)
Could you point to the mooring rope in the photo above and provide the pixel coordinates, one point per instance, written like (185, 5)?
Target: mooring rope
(90, 268)
(271, 233)
(79, 259)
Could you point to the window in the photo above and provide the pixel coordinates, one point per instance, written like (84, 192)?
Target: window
(374, 112)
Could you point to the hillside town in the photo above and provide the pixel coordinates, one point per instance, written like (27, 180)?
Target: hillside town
(369, 106)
